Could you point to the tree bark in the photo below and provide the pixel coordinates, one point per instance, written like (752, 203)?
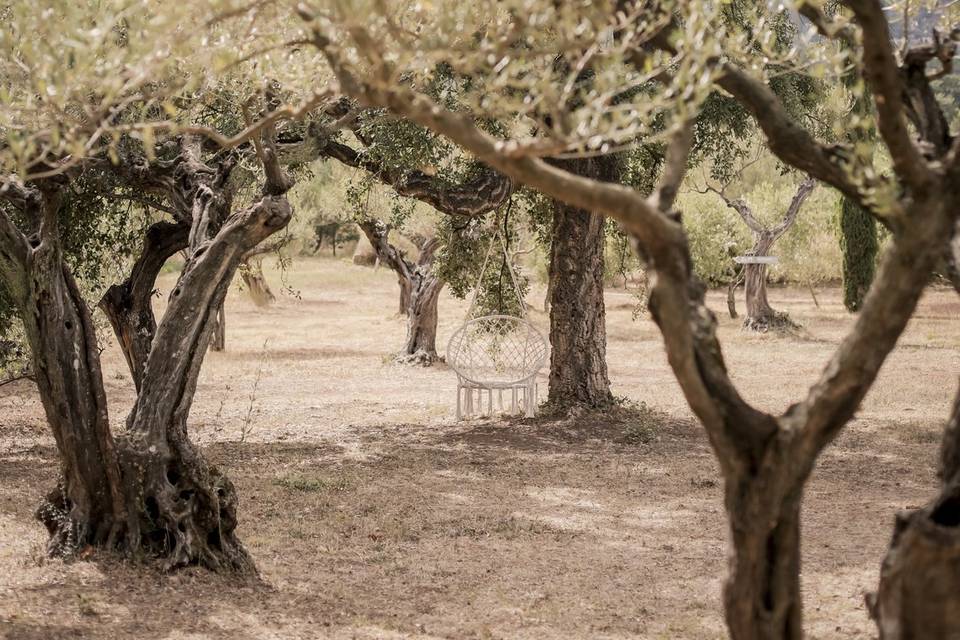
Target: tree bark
(129, 305)
(578, 338)
(919, 591)
(87, 506)
(150, 491)
(187, 508)
(762, 598)
(421, 342)
(760, 315)
(419, 291)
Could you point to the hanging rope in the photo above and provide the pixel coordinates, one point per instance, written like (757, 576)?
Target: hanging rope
(499, 237)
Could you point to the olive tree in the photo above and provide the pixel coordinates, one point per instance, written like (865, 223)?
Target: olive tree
(105, 102)
(765, 458)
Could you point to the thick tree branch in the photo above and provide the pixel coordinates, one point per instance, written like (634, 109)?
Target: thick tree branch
(786, 139)
(378, 234)
(675, 167)
(883, 74)
(741, 207)
(128, 305)
(825, 26)
(486, 191)
(803, 192)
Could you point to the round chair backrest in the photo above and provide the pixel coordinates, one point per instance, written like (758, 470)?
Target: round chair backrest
(497, 350)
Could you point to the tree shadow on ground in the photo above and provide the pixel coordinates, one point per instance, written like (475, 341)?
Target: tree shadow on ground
(630, 427)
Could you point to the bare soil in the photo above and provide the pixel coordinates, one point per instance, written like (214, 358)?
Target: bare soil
(372, 513)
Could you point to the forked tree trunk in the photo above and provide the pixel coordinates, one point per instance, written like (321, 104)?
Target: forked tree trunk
(419, 291)
(760, 315)
(150, 491)
(129, 305)
(578, 337)
(188, 509)
(251, 271)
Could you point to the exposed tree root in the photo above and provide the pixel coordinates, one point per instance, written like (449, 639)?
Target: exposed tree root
(187, 515)
(777, 322)
(420, 358)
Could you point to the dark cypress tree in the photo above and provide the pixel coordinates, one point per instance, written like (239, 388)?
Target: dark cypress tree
(858, 242)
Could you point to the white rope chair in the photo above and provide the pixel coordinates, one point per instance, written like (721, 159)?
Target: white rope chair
(499, 353)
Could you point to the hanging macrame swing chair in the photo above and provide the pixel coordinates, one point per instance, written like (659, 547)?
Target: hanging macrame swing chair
(497, 353)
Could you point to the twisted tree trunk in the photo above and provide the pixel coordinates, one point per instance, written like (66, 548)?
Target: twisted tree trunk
(149, 490)
(578, 337)
(129, 305)
(88, 505)
(419, 291)
(187, 508)
(421, 342)
(760, 315)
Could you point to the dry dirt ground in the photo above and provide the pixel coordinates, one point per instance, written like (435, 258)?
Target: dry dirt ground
(372, 513)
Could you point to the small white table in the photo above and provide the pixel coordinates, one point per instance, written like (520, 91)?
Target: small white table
(756, 259)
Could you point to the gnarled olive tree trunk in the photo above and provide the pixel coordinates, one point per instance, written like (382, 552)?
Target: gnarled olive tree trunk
(578, 336)
(88, 506)
(419, 291)
(760, 315)
(187, 508)
(149, 490)
(420, 345)
(129, 305)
